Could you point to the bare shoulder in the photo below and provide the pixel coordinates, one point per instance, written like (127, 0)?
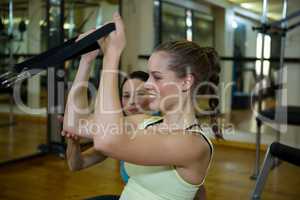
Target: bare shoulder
(204, 145)
(195, 170)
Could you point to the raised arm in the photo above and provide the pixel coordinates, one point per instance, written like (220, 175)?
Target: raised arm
(77, 101)
(146, 147)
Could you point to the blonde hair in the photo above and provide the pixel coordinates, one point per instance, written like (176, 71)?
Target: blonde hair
(188, 57)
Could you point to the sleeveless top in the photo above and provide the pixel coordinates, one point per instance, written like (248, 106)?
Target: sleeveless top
(159, 182)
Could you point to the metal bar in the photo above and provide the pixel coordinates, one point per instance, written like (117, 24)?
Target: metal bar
(264, 20)
(160, 21)
(276, 27)
(48, 36)
(285, 18)
(249, 59)
(11, 18)
(284, 14)
(11, 109)
(54, 140)
(257, 152)
(243, 59)
(71, 20)
(293, 26)
(281, 66)
(260, 183)
(11, 121)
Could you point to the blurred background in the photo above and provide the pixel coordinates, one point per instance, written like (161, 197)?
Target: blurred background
(29, 27)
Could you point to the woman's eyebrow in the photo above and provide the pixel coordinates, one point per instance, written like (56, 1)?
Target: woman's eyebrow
(155, 72)
(141, 90)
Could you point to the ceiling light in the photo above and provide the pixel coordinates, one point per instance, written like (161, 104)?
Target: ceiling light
(234, 24)
(247, 5)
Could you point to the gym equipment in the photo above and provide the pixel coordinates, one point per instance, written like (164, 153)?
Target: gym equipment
(276, 150)
(22, 28)
(105, 197)
(55, 56)
(278, 27)
(6, 37)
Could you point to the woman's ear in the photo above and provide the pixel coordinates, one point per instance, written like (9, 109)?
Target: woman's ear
(188, 82)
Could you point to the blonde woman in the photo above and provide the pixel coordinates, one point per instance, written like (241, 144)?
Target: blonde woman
(166, 160)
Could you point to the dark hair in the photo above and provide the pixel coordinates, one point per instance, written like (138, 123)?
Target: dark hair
(188, 57)
(140, 75)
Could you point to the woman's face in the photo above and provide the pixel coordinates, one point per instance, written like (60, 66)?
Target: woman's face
(134, 98)
(163, 86)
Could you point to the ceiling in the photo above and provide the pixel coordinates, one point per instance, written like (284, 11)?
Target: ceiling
(22, 5)
(274, 6)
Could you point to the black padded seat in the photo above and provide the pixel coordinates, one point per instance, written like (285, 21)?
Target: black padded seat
(293, 114)
(4, 90)
(285, 153)
(104, 197)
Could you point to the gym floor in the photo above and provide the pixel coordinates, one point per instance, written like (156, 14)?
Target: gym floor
(48, 177)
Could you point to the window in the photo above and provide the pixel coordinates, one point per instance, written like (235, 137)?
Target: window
(203, 29)
(179, 23)
(267, 53)
(173, 22)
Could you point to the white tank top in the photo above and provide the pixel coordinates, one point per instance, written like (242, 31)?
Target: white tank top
(158, 182)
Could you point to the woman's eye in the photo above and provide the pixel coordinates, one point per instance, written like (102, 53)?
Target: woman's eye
(141, 93)
(156, 77)
(126, 96)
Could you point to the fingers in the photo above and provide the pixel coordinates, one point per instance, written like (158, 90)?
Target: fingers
(101, 43)
(119, 23)
(70, 135)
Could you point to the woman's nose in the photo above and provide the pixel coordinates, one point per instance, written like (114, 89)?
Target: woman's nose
(132, 100)
(148, 85)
